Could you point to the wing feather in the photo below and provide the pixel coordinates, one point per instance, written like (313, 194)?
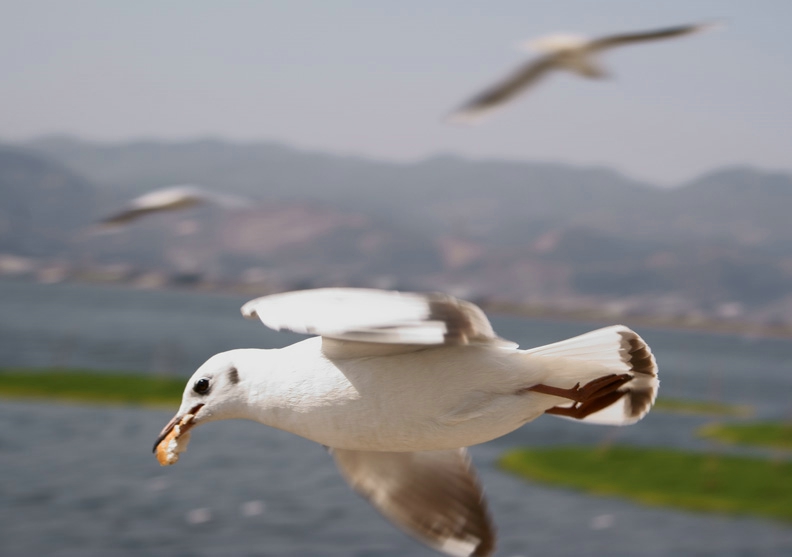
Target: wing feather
(375, 316)
(503, 91)
(432, 495)
(628, 38)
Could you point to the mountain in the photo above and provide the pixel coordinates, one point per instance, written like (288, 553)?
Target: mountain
(43, 205)
(738, 205)
(497, 200)
(534, 233)
(432, 194)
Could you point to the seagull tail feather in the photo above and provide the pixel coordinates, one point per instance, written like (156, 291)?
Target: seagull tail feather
(615, 350)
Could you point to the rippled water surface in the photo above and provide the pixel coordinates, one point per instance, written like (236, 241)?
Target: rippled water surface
(82, 480)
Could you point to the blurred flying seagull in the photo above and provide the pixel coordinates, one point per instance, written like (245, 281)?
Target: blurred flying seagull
(171, 198)
(397, 385)
(560, 52)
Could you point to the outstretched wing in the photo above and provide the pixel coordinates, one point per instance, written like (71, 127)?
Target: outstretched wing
(628, 38)
(172, 198)
(432, 495)
(375, 316)
(503, 91)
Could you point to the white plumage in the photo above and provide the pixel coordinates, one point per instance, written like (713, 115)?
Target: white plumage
(396, 385)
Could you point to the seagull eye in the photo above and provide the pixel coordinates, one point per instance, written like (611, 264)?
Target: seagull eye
(201, 386)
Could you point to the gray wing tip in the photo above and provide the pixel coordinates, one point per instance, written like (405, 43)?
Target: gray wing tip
(465, 322)
(697, 27)
(487, 541)
(487, 544)
(433, 496)
(121, 217)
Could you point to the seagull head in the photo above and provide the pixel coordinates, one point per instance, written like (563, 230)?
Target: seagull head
(214, 392)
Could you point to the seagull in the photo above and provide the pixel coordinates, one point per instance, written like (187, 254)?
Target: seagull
(560, 52)
(396, 385)
(171, 198)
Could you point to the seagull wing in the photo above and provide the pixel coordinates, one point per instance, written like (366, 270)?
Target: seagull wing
(172, 198)
(432, 495)
(628, 38)
(124, 216)
(375, 316)
(503, 91)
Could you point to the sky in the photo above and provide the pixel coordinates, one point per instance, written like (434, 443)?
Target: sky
(376, 79)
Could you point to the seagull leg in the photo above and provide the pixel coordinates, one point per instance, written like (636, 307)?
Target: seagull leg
(591, 397)
(593, 389)
(580, 410)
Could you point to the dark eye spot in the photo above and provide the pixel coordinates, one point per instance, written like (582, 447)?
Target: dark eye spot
(201, 386)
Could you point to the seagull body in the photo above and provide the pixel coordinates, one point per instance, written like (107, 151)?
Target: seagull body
(396, 385)
(572, 53)
(443, 398)
(171, 198)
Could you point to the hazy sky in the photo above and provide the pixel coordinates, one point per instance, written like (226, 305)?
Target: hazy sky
(376, 78)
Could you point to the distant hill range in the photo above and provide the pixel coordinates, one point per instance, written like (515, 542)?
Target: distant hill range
(535, 234)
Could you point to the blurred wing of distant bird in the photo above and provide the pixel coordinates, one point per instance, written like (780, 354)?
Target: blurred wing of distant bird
(172, 198)
(493, 97)
(577, 57)
(658, 34)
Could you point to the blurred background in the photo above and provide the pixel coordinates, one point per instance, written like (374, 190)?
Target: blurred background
(658, 197)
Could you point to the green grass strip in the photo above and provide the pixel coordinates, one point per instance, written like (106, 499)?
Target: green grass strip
(703, 407)
(664, 477)
(777, 435)
(90, 387)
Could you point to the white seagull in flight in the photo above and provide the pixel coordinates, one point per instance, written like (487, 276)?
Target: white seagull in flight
(560, 52)
(396, 385)
(171, 198)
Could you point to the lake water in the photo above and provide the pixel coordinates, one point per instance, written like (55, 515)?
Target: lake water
(82, 481)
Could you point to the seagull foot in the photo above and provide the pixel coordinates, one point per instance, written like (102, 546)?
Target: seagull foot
(591, 397)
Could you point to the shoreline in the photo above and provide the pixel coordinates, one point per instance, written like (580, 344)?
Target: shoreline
(584, 315)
